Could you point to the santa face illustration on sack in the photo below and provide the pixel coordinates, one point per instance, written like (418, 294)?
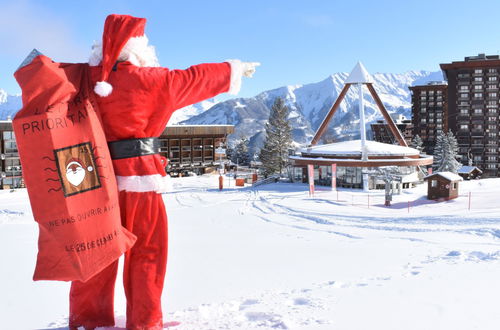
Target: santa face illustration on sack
(77, 170)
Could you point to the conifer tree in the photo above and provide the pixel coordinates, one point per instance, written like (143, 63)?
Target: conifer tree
(417, 143)
(445, 153)
(274, 153)
(241, 153)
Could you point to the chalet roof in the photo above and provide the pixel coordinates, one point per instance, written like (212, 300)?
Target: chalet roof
(353, 148)
(447, 175)
(468, 169)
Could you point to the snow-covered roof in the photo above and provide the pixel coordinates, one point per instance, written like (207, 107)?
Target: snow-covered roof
(468, 169)
(353, 148)
(359, 75)
(447, 175)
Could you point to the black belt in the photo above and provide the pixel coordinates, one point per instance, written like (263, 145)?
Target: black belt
(134, 148)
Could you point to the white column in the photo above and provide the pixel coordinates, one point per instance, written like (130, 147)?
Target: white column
(362, 124)
(362, 131)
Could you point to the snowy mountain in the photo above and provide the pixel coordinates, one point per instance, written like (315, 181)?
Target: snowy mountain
(9, 104)
(191, 111)
(310, 103)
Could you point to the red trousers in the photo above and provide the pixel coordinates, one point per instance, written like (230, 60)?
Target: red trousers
(91, 302)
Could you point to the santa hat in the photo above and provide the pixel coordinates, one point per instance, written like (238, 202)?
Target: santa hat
(118, 29)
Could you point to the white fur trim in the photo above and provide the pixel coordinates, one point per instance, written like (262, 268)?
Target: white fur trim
(137, 51)
(103, 88)
(144, 183)
(237, 70)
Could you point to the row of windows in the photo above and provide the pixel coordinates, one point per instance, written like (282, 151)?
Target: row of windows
(465, 88)
(431, 92)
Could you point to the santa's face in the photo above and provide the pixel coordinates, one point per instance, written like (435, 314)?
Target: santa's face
(75, 172)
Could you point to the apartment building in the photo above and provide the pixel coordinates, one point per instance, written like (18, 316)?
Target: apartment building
(473, 110)
(10, 164)
(382, 133)
(429, 112)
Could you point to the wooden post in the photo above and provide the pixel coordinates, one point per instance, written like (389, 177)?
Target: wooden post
(334, 177)
(324, 124)
(394, 129)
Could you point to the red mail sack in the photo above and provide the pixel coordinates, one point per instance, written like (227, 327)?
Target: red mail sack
(68, 171)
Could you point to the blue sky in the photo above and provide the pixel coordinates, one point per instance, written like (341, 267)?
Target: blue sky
(297, 42)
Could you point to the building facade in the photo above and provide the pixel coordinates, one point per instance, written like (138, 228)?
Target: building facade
(10, 164)
(188, 148)
(473, 107)
(429, 112)
(382, 133)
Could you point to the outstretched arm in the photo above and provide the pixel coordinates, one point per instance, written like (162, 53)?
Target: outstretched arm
(203, 81)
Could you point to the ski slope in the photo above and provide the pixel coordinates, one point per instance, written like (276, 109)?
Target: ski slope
(273, 257)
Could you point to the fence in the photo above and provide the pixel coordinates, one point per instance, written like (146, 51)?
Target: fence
(466, 201)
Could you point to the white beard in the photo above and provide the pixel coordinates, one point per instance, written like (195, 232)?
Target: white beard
(75, 177)
(137, 51)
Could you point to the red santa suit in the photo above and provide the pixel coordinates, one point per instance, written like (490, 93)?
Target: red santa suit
(138, 107)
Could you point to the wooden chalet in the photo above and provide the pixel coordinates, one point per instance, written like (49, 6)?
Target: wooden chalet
(469, 172)
(442, 185)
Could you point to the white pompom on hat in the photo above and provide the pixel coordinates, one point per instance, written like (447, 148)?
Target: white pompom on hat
(118, 29)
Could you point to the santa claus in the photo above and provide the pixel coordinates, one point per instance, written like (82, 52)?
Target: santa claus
(137, 98)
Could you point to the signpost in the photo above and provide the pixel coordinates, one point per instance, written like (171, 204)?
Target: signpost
(221, 151)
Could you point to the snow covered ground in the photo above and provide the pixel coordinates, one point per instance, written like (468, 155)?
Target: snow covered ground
(273, 257)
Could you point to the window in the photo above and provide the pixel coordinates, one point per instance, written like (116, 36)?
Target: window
(492, 70)
(478, 111)
(439, 104)
(477, 127)
(464, 111)
(491, 166)
(423, 93)
(478, 71)
(479, 79)
(423, 120)
(480, 87)
(434, 183)
(454, 186)
(492, 78)
(492, 95)
(478, 95)
(439, 92)
(464, 127)
(8, 135)
(465, 87)
(463, 103)
(477, 158)
(492, 86)
(464, 95)
(492, 126)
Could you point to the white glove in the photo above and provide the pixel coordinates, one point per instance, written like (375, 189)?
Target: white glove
(249, 68)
